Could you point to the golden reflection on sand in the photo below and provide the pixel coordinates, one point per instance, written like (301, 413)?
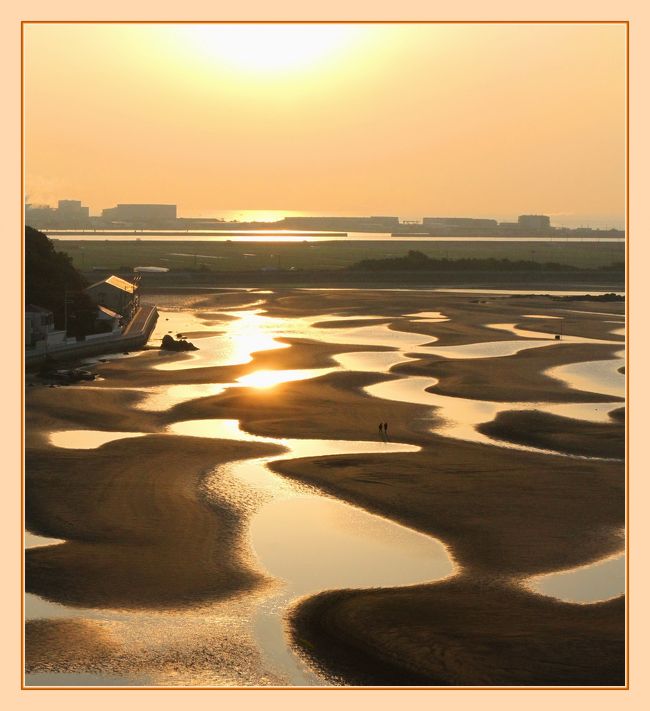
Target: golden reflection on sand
(270, 378)
(307, 542)
(87, 439)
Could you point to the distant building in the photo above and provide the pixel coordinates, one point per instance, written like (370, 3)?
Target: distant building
(69, 205)
(535, 223)
(140, 213)
(68, 214)
(73, 209)
(115, 294)
(39, 215)
(385, 220)
(376, 223)
(39, 328)
(509, 228)
(459, 224)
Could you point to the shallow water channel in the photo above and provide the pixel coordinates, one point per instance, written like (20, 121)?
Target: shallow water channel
(308, 542)
(304, 540)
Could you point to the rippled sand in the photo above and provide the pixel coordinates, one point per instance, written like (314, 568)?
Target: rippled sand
(176, 568)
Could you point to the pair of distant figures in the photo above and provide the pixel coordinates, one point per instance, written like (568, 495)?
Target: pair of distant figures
(383, 431)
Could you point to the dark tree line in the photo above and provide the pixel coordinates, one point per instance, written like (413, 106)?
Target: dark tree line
(418, 261)
(51, 279)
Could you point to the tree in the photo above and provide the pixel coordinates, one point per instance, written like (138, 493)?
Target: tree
(51, 280)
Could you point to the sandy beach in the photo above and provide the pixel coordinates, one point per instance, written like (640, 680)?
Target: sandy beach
(140, 533)
(325, 354)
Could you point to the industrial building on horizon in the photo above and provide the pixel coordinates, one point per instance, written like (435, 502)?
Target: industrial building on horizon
(72, 215)
(68, 213)
(145, 213)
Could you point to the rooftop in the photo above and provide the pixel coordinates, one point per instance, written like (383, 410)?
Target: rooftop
(116, 282)
(107, 313)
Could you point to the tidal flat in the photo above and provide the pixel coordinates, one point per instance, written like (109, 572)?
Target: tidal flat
(235, 517)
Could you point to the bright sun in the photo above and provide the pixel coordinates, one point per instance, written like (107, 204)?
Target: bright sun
(270, 47)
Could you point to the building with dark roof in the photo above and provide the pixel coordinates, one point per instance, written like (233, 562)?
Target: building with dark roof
(114, 293)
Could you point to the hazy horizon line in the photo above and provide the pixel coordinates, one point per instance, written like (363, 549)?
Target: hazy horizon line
(270, 215)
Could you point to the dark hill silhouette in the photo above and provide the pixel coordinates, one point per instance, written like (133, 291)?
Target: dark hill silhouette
(49, 275)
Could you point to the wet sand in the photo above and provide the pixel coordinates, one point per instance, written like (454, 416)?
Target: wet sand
(115, 652)
(504, 514)
(332, 406)
(129, 527)
(501, 524)
(139, 372)
(143, 537)
(519, 377)
(463, 633)
(49, 409)
(538, 429)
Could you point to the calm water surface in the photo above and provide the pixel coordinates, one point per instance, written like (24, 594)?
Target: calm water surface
(304, 540)
(599, 581)
(307, 236)
(599, 376)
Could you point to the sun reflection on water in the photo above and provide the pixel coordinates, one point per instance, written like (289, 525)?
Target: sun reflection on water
(270, 378)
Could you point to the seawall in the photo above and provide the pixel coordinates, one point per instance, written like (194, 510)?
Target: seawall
(134, 336)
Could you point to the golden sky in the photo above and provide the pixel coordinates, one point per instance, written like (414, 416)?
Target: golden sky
(408, 120)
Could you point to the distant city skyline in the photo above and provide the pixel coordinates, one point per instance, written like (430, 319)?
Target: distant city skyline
(409, 120)
(261, 215)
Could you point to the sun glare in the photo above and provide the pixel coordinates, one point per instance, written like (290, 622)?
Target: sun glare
(270, 48)
(270, 378)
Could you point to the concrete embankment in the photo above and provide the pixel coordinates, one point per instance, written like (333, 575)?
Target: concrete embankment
(135, 335)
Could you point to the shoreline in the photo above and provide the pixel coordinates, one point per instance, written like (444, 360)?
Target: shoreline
(575, 437)
(474, 635)
(503, 514)
(114, 515)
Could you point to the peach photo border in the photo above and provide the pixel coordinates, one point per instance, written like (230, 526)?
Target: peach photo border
(634, 692)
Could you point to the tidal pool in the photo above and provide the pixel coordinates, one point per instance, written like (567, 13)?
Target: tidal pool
(145, 641)
(598, 376)
(32, 540)
(596, 582)
(487, 349)
(269, 378)
(165, 397)
(371, 361)
(381, 335)
(428, 316)
(313, 542)
(460, 416)
(540, 316)
(88, 439)
(498, 349)
(525, 333)
(250, 331)
(158, 399)
(307, 541)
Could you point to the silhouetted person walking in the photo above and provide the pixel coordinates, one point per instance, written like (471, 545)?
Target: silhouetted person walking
(386, 431)
(381, 430)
